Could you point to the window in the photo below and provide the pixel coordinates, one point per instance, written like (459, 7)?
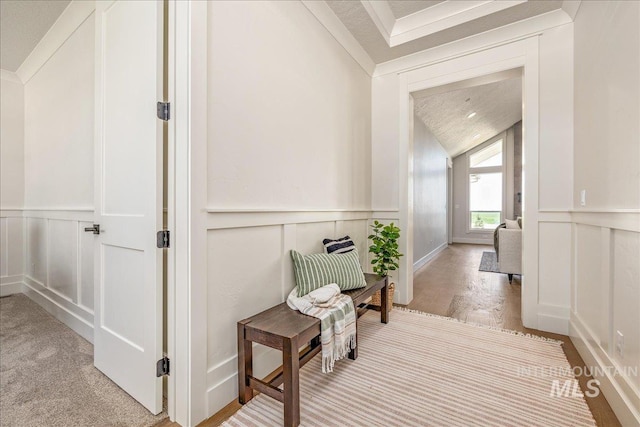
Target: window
(485, 186)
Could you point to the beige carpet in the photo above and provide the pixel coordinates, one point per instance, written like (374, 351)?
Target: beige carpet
(422, 370)
(47, 376)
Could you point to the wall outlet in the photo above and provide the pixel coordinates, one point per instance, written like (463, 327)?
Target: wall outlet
(619, 343)
(583, 197)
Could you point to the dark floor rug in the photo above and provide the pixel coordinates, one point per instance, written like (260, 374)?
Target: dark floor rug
(47, 375)
(489, 262)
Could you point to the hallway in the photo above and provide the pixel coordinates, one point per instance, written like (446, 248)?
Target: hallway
(451, 285)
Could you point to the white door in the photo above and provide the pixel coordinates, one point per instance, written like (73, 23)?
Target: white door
(128, 197)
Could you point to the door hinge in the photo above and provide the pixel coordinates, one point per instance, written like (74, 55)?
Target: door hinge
(164, 111)
(162, 240)
(162, 367)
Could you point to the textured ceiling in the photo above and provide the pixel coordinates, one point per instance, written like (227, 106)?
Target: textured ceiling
(22, 25)
(497, 106)
(402, 8)
(359, 23)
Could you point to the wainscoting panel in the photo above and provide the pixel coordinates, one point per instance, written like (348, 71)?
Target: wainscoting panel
(625, 270)
(63, 258)
(555, 258)
(47, 256)
(309, 236)
(85, 272)
(250, 270)
(36, 250)
(4, 246)
(244, 272)
(11, 254)
(15, 249)
(606, 299)
(589, 301)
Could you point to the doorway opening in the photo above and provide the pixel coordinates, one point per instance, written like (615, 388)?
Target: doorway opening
(467, 174)
(97, 187)
(522, 55)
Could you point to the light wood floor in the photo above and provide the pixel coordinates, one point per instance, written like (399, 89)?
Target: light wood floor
(451, 285)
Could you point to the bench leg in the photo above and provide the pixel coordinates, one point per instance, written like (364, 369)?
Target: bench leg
(384, 302)
(245, 366)
(290, 373)
(353, 353)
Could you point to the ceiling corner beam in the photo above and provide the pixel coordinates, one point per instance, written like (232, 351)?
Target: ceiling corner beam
(570, 7)
(340, 33)
(382, 16)
(442, 16)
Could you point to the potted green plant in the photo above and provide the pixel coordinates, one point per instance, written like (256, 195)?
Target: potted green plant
(384, 248)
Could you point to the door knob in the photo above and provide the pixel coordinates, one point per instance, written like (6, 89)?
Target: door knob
(95, 229)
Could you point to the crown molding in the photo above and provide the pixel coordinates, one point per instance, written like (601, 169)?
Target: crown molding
(496, 37)
(336, 28)
(571, 8)
(430, 20)
(67, 23)
(9, 76)
(382, 16)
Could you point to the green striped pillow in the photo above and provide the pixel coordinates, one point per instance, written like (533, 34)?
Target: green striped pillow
(317, 270)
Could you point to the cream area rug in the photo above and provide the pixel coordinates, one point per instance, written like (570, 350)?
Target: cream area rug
(424, 370)
(47, 377)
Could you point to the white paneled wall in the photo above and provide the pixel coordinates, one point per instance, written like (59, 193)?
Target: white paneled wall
(606, 299)
(48, 256)
(625, 283)
(250, 270)
(11, 253)
(555, 256)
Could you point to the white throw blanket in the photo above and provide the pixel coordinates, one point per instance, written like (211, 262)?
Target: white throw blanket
(337, 320)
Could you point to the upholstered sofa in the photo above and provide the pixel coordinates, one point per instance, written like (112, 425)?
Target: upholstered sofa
(508, 245)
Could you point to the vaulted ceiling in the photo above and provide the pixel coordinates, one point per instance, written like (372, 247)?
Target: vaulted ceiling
(465, 116)
(22, 24)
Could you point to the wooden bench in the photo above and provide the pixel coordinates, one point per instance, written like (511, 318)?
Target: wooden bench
(288, 330)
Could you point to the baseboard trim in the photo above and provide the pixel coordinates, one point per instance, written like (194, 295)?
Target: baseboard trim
(553, 323)
(616, 388)
(10, 285)
(472, 241)
(82, 327)
(428, 257)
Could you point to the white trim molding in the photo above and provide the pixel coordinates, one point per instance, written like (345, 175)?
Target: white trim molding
(618, 390)
(74, 316)
(491, 39)
(430, 20)
(521, 54)
(233, 218)
(571, 8)
(336, 28)
(593, 332)
(10, 285)
(428, 257)
(9, 76)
